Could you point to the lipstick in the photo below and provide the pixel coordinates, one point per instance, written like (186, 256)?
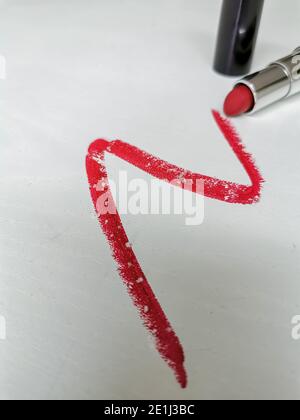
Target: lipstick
(278, 81)
(237, 35)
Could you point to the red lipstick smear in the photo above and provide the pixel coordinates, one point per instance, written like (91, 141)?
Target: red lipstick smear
(143, 297)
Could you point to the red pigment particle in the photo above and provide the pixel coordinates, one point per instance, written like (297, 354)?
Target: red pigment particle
(139, 289)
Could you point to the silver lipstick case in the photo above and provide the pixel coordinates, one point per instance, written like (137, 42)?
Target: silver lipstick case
(276, 82)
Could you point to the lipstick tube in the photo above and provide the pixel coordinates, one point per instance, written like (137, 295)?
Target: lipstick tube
(278, 81)
(237, 36)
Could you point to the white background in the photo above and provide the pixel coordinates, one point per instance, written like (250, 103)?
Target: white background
(141, 71)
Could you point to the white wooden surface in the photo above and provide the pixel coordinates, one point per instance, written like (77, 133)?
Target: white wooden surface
(141, 71)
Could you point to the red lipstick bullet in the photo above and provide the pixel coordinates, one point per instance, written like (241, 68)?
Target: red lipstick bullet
(278, 81)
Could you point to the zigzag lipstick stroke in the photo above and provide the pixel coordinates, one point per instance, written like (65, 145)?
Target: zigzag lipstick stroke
(153, 316)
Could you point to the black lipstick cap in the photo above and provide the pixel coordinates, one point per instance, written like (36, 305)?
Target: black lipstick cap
(237, 36)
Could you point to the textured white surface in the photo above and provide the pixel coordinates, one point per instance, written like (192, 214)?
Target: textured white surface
(141, 71)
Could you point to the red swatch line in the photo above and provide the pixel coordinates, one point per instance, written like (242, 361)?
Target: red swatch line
(153, 316)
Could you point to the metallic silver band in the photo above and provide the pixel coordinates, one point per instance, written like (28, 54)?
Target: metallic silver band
(278, 81)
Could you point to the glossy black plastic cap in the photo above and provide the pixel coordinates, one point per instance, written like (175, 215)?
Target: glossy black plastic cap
(239, 25)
